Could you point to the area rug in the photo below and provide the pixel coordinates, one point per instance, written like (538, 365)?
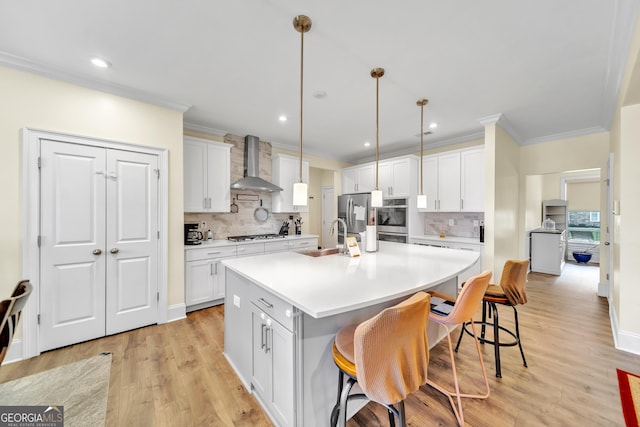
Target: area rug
(630, 397)
(81, 388)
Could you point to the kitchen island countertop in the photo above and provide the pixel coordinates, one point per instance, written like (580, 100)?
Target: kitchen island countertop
(334, 284)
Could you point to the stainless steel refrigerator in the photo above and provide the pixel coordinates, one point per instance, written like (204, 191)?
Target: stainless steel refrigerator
(354, 210)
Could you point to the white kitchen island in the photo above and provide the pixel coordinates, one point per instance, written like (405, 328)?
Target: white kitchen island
(282, 311)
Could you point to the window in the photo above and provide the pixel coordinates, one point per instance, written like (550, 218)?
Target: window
(584, 226)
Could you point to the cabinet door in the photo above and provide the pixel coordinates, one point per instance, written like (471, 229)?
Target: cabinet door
(200, 282)
(349, 181)
(366, 178)
(218, 280)
(430, 182)
(281, 351)
(286, 172)
(401, 178)
(449, 182)
(261, 365)
(195, 167)
(300, 244)
(385, 179)
(472, 180)
(218, 178)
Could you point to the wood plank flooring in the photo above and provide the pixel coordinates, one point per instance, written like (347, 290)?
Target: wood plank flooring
(175, 375)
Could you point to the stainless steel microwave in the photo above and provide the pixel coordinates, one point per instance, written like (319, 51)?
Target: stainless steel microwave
(393, 216)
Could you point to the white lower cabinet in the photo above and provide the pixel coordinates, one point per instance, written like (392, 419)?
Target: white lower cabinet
(204, 276)
(272, 376)
(302, 244)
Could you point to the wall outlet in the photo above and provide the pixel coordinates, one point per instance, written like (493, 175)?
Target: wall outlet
(451, 221)
(476, 223)
(236, 301)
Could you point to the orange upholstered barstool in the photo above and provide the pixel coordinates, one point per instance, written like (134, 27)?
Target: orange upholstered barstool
(463, 309)
(10, 310)
(387, 356)
(510, 292)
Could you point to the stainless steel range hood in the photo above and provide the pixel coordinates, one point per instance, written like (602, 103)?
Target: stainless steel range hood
(251, 180)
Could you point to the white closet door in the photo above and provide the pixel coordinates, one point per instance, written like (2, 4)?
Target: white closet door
(72, 282)
(132, 240)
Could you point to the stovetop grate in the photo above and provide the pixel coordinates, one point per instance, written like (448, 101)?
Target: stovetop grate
(254, 237)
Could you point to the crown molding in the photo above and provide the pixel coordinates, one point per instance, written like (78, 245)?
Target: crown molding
(565, 135)
(501, 120)
(193, 127)
(34, 67)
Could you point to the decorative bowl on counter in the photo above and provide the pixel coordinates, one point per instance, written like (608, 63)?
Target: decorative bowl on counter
(581, 256)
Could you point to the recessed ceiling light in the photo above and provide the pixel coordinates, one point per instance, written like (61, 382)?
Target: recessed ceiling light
(99, 62)
(433, 125)
(366, 144)
(282, 118)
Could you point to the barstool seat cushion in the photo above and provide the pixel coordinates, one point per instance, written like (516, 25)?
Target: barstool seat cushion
(496, 294)
(344, 342)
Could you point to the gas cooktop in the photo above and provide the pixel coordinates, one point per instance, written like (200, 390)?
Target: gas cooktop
(254, 237)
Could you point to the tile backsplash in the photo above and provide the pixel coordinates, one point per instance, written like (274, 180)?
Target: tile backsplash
(463, 223)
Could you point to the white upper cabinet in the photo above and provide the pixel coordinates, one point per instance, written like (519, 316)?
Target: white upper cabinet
(454, 181)
(398, 177)
(206, 175)
(359, 179)
(472, 180)
(285, 172)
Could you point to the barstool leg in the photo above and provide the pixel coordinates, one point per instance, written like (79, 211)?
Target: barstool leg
(484, 321)
(342, 414)
(515, 315)
(392, 420)
(401, 414)
(496, 338)
(336, 408)
(462, 328)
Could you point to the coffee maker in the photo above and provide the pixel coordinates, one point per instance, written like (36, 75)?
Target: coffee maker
(192, 236)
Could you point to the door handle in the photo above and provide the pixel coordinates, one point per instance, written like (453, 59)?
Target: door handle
(97, 251)
(607, 243)
(114, 250)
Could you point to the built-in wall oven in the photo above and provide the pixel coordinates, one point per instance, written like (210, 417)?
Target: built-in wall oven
(392, 220)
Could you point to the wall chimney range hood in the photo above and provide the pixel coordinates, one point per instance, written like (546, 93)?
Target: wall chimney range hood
(251, 180)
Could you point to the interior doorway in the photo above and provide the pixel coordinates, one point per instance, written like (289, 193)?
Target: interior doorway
(328, 214)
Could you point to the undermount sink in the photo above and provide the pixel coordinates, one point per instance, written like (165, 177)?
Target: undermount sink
(320, 252)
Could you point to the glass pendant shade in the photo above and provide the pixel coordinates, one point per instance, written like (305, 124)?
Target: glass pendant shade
(376, 199)
(422, 201)
(300, 194)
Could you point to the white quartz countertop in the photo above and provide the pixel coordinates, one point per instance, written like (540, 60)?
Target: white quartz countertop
(335, 284)
(217, 243)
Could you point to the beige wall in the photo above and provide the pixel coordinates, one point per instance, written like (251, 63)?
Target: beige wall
(506, 227)
(40, 103)
(629, 293)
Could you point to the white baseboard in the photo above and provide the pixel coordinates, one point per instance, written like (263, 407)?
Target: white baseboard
(176, 312)
(603, 289)
(623, 340)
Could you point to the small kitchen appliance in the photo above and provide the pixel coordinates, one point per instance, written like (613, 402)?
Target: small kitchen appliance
(192, 236)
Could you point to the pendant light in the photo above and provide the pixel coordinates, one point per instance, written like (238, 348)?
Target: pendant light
(302, 24)
(422, 198)
(376, 194)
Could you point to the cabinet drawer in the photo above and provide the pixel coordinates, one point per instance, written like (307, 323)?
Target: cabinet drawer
(250, 249)
(273, 306)
(278, 246)
(304, 244)
(210, 253)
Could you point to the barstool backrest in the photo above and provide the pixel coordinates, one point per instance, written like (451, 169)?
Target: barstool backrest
(392, 350)
(514, 281)
(468, 300)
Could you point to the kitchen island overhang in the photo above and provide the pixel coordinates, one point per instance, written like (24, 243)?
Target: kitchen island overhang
(282, 312)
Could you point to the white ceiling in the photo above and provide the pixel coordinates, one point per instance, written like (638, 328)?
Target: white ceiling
(551, 68)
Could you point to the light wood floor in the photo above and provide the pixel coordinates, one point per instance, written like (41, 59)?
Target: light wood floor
(175, 374)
